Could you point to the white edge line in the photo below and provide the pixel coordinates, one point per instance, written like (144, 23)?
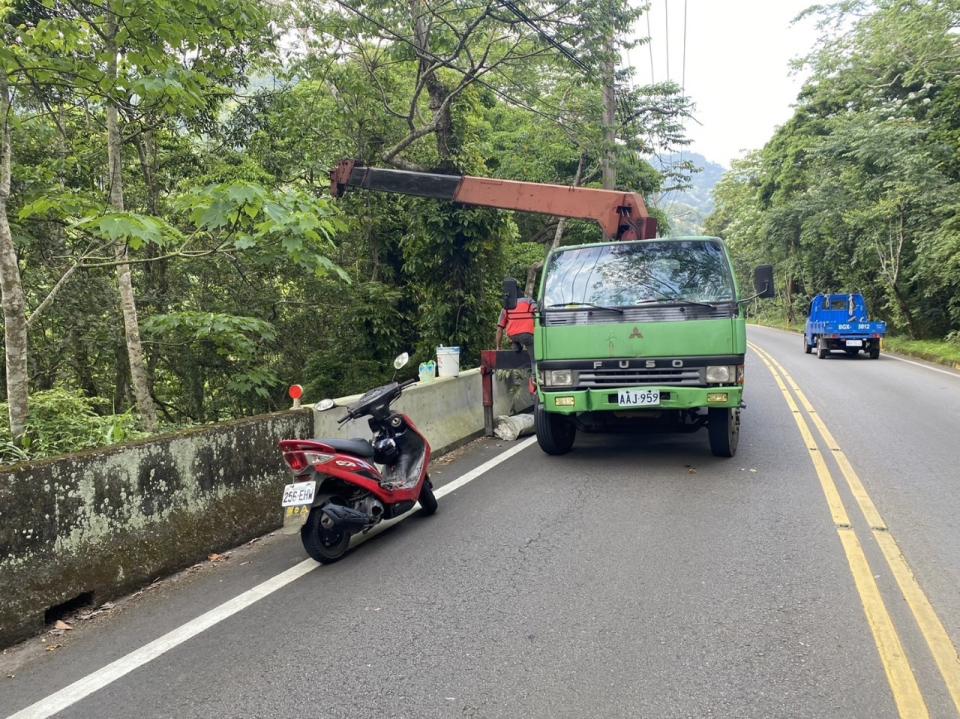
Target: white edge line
(921, 364)
(82, 688)
(888, 355)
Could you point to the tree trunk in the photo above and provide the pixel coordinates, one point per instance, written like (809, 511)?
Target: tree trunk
(131, 325)
(436, 90)
(789, 290)
(904, 308)
(14, 306)
(608, 162)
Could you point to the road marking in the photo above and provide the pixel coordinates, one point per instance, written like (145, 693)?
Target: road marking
(925, 366)
(896, 665)
(82, 688)
(941, 647)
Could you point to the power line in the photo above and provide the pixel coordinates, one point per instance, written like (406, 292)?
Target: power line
(683, 72)
(666, 22)
(650, 45)
(543, 34)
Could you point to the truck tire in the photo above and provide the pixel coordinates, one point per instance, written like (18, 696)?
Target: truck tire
(822, 350)
(806, 345)
(555, 433)
(723, 426)
(875, 352)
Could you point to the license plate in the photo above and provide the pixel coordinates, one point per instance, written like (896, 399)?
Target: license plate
(298, 493)
(854, 343)
(638, 397)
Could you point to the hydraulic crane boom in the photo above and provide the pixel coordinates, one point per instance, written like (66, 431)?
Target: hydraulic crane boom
(621, 215)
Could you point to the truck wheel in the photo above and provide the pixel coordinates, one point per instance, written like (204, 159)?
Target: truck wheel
(874, 352)
(723, 426)
(822, 350)
(806, 345)
(555, 433)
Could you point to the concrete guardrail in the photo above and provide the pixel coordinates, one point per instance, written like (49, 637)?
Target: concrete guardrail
(81, 529)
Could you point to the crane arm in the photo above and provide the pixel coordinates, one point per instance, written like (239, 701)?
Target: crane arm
(621, 215)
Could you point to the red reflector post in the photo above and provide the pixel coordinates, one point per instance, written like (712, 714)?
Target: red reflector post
(296, 391)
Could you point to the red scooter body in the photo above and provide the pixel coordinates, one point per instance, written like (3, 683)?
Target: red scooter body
(339, 490)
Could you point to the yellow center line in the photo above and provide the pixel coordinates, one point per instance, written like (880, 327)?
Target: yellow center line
(941, 647)
(896, 665)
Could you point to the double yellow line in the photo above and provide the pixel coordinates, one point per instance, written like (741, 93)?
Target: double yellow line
(903, 683)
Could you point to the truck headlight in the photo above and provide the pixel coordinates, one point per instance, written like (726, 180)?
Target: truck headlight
(721, 374)
(558, 377)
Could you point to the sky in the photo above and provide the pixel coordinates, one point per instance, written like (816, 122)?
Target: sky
(737, 66)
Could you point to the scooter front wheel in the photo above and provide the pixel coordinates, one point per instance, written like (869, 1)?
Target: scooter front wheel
(428, 502)
(324, 545)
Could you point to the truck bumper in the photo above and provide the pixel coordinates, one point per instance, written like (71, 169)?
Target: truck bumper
(594, 400)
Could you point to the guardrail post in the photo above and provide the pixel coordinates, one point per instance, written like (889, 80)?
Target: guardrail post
(488, 360)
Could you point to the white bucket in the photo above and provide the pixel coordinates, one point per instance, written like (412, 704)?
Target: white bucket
(448, 361)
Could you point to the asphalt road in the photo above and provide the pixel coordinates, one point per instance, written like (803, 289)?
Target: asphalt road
(634, 577)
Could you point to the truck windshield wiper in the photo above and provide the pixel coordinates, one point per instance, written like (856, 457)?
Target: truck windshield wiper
(583, 304)
(677, 301)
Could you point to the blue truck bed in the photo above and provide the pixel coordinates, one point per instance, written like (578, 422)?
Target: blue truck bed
(841, 323)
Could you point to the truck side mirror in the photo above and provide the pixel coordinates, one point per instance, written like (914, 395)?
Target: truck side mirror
(763, 282)
(511, 290)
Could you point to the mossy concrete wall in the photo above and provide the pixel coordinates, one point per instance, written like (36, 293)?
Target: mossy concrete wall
(109, 521)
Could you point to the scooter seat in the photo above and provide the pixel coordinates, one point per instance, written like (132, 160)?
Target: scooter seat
(356, 447)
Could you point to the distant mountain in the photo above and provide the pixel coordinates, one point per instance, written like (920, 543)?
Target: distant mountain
(689, 209)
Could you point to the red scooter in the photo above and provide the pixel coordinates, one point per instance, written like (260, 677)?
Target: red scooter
(339, 491)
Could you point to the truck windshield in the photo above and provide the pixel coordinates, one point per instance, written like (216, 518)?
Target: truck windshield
(630, 274)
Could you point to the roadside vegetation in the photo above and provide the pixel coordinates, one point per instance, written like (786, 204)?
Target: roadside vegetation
(169, 252)
(860, 190)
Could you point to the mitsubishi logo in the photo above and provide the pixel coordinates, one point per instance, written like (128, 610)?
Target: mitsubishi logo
(636, 334)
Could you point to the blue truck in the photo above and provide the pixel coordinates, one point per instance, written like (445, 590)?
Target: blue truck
(840, 322)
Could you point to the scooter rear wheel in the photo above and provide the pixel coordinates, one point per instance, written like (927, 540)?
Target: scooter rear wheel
(428, 502)
(323, 545)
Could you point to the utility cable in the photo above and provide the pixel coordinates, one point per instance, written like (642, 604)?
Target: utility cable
(546, 37)
(683, 72)
(650, 45)
(666, 22)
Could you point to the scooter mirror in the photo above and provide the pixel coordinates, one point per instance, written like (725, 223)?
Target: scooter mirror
(324, 405)
(401, 360)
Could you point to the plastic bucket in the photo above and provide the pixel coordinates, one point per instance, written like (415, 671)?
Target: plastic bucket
(448, 361)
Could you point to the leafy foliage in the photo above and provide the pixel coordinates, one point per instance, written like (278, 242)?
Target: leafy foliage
(65, 421)
(247, 276)
(860, 190)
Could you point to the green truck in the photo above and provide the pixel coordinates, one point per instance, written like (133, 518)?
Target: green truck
(634, 333)
(641, 336)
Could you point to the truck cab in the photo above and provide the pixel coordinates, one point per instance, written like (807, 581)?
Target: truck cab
(840, 322)
(640, 336)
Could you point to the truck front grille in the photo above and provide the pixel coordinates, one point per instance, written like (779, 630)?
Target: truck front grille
(636, 377)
